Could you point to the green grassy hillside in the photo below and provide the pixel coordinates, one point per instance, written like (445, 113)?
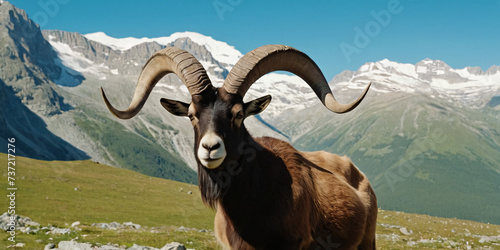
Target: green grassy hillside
(133, 149)
(60, 193)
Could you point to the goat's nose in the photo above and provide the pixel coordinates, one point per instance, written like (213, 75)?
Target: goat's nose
(211, 147)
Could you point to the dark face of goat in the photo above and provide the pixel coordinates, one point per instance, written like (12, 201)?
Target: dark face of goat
(217, 118)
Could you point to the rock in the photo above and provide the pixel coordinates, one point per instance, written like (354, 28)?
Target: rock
(75, 224)
(405, 231)
(31, 223)
(28, 230)
(19, 245)
(109, 247)
(411, 243)
(49, 246)
(137, 247)
(20, 221)
(132, 225)
(60, 231)
(114, 225)
(73, 245)
(485, 239)
(190, 192)
(182, 229)
(173, 246)
(389, 225)
(101, 225)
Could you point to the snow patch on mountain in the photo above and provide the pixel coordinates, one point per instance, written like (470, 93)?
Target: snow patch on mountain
(288, 92)
(77, 62)
(221, 51)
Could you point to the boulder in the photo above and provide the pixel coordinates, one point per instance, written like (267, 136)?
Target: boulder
(73, 245)
(405, 231)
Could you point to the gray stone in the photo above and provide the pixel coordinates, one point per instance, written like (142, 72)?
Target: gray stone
(182, 229)
(60, 231)
(173, 246)
(20, 221)
(485, 239)
(132, 225)
(405, 231)
(138, 247)
(101, 225)
(73, 245)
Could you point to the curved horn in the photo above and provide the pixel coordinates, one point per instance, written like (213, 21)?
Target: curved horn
(165, 61)
(268, 58)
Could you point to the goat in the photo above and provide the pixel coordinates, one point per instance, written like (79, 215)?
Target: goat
(272, 196)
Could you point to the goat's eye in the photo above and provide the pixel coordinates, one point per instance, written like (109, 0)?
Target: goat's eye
(191, 116)
(239, 115)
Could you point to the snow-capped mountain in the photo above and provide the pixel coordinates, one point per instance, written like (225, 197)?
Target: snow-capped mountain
(126, 56)
(221, 51)
(468, 86)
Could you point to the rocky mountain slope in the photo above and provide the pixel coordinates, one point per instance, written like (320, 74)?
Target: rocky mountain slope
(54, 121)
(27, 91)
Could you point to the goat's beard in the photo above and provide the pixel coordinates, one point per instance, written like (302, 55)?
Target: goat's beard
(211, 184)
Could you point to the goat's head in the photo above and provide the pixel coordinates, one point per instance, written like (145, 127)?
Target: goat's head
(217, 114)
(217, 118)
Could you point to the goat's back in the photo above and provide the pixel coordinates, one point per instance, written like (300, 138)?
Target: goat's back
(344, 198)
(351, 200)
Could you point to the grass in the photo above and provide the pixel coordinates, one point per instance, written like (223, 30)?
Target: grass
(60, 193)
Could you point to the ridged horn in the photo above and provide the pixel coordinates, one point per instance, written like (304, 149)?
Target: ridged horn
(165, 61)
(269, 58)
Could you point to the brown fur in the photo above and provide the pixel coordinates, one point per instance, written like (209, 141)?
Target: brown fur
(303, 200)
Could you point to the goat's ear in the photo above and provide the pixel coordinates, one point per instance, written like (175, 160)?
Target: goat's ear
(256, 106)
(177, 108)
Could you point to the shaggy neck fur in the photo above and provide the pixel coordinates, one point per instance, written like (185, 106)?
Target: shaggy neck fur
(260, 197)
(215, 183)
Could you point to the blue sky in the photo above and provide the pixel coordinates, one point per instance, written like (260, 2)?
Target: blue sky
(337, 34)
